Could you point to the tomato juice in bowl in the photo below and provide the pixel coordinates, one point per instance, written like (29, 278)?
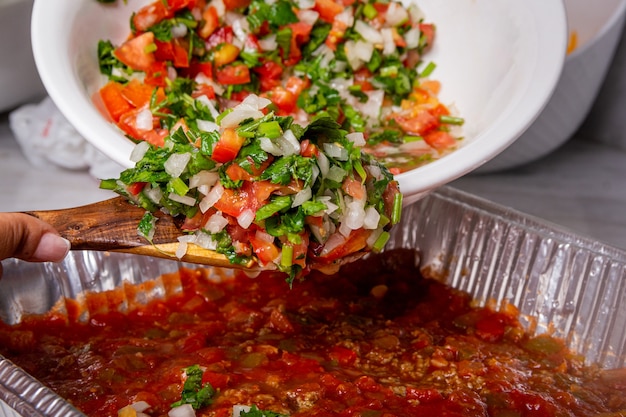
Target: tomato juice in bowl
(497, 66)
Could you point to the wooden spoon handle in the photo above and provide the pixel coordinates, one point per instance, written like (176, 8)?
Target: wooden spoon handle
(107, 225)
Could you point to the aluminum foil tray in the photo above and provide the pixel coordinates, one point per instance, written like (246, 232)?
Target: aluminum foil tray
(561, 283)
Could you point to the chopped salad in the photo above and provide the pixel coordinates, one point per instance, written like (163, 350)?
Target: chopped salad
(275, 127)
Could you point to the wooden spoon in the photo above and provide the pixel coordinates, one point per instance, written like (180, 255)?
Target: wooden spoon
(111, 225)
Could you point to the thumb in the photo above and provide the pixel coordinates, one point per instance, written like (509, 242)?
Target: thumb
(28, 238)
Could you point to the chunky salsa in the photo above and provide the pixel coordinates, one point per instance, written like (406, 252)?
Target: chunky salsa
(377, 339)
(358, 62)
(261, 188)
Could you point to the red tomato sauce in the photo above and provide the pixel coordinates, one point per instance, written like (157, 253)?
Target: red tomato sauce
(375, 340)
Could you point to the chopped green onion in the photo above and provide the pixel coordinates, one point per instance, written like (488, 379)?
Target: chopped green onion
(430, 67)
(370, 11)
(390, 71)
(150, 48)
(286, 256)
(178, 186)
(451, 120)
(397, 209)
(409, 138)
(270, 130)
(380, 243)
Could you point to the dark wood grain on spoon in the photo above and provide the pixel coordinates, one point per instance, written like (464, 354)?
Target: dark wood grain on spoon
(111, 225)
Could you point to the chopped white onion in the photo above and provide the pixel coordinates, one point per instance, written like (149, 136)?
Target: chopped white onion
(336, 173)
(270, 147)
(239, 114)
(290, 139)
(372, 217)
(179, 30)
(181, 249)
(396, 14)
(368, 32)
(176, 163)
(334, 240)
(374, 171)
(154, 194)
(268, 43)
(330, 207)
(204, 240)
(389, 45)
(143, 120)
(352, 55)
(216, 223)
(305, 4)
(204, 99)
(139, 151)
(412, 38)
(207, 125)
(355, 215)
(264, 236)
(237, 409)
(220, 8)
(140, 406)
(246, 218)
(182, 199)
(308, 16)
(334, 150)
(209, 178)
(346, 17)
(211, 198)
(185, 410)
(323, 164)
(363, 50)
(357, 138)
(344, 229)
(241, 27)
(302, 196)
(255, 101)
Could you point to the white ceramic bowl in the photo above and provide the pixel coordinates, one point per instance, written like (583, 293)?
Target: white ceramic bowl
(598, 27)
(498, 63)
(19, 81)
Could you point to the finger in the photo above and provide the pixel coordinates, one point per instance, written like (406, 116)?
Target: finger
(28, 238)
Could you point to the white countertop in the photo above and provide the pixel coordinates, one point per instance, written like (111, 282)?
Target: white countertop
(580, 186)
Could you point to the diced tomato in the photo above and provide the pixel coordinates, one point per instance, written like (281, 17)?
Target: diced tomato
(235, 4)
(217, 380)
(428, 30)
(236, 173)
(233, 74)
(419, 124)
(362, 78)
(440, 140)
(284, 99)
(328, 9)
(308, 149)
(337, 31)
(300, 32)
(228, 146)
(139, 94)
(203, 90)
(356, 241)
(175, 51)
(128, 123)
(156, 75)
(195, 68)
(269, 74)
(264, 250)
(343, 356)
(150, 15)
(175, 5)
(296, 85)
(225, 54)
(211, 22)
(114, 101)
(134, 52)
(354, 188)
(136, 187)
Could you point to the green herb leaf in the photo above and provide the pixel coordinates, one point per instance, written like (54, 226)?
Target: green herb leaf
(194, 392)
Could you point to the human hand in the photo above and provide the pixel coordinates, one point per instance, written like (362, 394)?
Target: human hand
(28, 238)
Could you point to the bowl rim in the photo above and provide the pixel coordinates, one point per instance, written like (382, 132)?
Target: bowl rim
(56, 75)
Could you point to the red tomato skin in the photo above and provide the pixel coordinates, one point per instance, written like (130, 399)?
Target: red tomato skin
(327, 9)
(227, 148)
(114, 101)
(134, 53)
(233, 74)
